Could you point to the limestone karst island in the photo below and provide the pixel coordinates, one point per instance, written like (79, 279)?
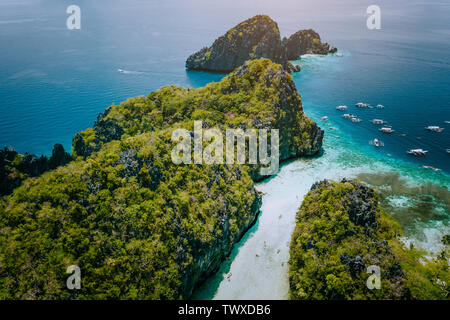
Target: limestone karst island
(134, 157)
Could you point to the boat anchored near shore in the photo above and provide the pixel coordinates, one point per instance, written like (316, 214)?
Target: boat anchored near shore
(341, 108)
(417, 152)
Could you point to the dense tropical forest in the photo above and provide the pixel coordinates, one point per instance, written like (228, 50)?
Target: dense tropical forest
(340, 232)
(137, 225)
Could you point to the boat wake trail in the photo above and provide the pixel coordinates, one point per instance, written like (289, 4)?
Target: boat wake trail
(130, 71)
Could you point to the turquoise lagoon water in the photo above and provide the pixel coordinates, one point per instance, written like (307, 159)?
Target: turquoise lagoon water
(417, 198)
(54, 82)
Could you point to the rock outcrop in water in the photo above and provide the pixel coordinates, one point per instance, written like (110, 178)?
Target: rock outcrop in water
(257, 37)
(305, 42)
(299, 136)
(15, 167)
(342, 236)
(138, 225)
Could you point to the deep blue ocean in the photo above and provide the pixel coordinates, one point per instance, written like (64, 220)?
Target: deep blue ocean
(54, 81)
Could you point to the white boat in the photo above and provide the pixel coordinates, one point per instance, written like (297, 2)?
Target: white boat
(378, 121)
(356, 120)
(380, 106)
(339, 54)
(377, 143)
(341, 108)
(121, 71)
(386, 130)
(417, 152)
(434, 128)
(347, 116)
(362, 105)
(447, 122)
(448, 150)
(324, 118)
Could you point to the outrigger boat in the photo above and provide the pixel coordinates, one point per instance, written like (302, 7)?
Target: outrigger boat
(434, 128)
(362, 105)
(448, 150)
(380, 106)
(377, 143)
(348, 116)
(120, 70)
(417, 152)
(339, 54)
(356, 120)
(324, 118)
(386, 130)
(378, 121)
(341, 108)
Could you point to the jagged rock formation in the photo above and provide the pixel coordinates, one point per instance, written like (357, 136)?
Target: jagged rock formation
(299, 136)
(340, 232)
(14, 167)
(138, 225)
(105, 130)
(257, 37)
(305, 42)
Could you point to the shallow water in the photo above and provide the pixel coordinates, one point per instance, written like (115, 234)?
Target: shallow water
(258, 264)
(54, 82)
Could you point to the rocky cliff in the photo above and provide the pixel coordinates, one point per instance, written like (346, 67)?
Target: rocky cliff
(266, 90)
(138, 225)
(257, 37)
(305, 42)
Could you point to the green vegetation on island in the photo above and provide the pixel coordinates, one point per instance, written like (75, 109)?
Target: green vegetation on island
(254, 38)
(340, 232)
(16, 167)
(305, 42)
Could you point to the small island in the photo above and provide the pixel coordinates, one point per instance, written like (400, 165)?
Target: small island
(254, 38)
(138, 225)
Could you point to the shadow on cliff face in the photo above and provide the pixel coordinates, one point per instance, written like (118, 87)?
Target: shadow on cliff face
(410, 205)
(208, 288)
